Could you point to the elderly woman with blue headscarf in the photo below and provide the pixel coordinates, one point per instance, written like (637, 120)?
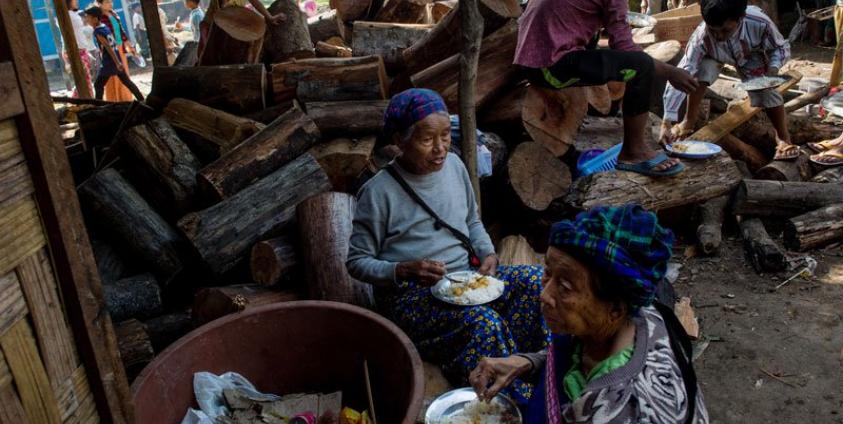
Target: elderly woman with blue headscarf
(400, 247)
(616, 356)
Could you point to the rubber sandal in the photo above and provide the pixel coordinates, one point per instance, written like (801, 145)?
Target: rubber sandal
(823, 146)
(646, 167)
(835, 155)
(794, 153)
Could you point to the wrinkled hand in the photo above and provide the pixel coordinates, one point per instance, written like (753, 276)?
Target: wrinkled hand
(666, 135)
(682, 80)
(276, 19)
(426, 272)
(489, 265)
(494, 374)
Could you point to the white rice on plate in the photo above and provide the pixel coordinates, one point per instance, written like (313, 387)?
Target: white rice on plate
(477, 412)
(479, 289)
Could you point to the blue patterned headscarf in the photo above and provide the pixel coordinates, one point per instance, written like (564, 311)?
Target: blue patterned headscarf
(625, 244)
(411, 106)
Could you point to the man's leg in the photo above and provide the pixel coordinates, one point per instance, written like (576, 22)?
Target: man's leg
(124, 78)
(708, 72)
(99, 85)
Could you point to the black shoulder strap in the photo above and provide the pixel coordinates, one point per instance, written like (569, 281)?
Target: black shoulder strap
(438, 222)
(680, 343)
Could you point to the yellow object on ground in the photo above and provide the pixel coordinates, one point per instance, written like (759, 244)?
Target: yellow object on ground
(837, 64)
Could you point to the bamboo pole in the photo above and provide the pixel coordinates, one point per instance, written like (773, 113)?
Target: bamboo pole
(72, 49)
(471, 23)
(157, 46)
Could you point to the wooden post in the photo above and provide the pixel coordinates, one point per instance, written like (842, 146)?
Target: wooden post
(157, 46)
(63, 16)
(472, 32)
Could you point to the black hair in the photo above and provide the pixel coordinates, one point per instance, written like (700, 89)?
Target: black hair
(94, 11)
(717, 12)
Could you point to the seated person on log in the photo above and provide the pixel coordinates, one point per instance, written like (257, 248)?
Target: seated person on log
(746, 38)
(556, 46)
(616, 355)
(398, 246)
(829, 152)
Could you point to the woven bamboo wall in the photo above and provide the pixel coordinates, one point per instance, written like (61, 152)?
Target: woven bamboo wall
(41, 376)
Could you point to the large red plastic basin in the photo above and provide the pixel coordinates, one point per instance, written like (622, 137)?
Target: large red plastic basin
(308, 346)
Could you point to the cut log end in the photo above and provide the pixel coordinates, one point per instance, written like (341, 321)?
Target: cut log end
(552, 117)
(537, 177)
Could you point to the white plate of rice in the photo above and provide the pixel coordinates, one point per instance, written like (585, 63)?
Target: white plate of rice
(461, 406)
(478, 289)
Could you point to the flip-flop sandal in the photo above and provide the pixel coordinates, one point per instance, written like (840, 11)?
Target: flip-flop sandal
(823, 146)
(835, 155)
(647, 167)
(793, 153)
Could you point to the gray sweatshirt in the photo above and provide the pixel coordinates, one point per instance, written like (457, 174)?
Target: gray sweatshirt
(389, 227)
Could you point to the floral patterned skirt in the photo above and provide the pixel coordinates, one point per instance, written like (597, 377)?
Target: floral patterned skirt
(457, 337)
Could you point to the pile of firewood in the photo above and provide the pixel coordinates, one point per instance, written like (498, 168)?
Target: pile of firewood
(232, 186)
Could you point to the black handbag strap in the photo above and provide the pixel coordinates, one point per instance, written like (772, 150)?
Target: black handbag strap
(438, 222)
(680, 343)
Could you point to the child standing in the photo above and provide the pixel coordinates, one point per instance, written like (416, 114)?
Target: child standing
(111, 64)
(732, 33)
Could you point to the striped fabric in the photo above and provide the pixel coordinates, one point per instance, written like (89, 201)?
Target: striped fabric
(755, 48)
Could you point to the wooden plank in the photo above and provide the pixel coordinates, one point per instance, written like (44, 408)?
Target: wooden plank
(9, 144)
(12, 304)
(157, 46)
(31, 380)
(737, 115)
(20, 233)
(74, 397)
(11, 103)
(73, 260)
(36, 278)
(15, 183)
(11, 411)
(5, 373)
(66, 27)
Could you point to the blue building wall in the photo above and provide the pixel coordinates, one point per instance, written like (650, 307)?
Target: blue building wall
(42, 11)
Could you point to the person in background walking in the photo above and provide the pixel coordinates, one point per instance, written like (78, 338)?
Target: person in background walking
(116, 91)
(111, 64)
(83, 43)
(196, 17)
(139, 26)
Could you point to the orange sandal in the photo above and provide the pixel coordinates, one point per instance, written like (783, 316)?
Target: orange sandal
(824, 145)
(786, 152)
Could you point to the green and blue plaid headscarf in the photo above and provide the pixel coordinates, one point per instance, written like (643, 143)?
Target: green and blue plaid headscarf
(625, 244)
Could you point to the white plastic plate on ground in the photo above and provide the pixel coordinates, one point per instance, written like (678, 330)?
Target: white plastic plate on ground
(689, 149)
(479, 290)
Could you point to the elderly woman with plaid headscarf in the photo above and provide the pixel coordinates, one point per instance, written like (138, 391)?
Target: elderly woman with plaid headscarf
(400, 247)
(616, 356)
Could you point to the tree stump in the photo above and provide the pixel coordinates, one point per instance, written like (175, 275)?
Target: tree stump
(273, 259)
(215, 132)
(292, 134)
(238, 89)
(132, 223)
(783, 199)
(325, 228)
(133, 297)
(710, 230)
(537, 177)
(344, 160)
(330, 79)
(223, 233)
(291, 39)
(552, 117)
(815, 229)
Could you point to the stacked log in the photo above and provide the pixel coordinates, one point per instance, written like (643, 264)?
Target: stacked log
(291, 39)
(274, 259)
(330, 79)
(348, 119)
(387, 40)
(214, 132)
(815, 229)
(783, 199)
(237, 89)
(217, 302)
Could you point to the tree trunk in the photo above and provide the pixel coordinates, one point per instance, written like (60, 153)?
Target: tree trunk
(132, 223)
(504, 111)
(238, 89)
(324, 49)
(764, 254)
(291, 39)
(344, 160)
(553, 117)
(274, 259)
(351, 10)
(497, 52)
(224, 47)
(110, 265)
(439, 43)
(216, 132)
(292, 134)
(701, 181)
(328, 79)
(323, 26)
(755, 159)
(537, 177)
(471, 35)
(99, 124)
(441, 9)
(133, 297)
(134, 346)
(710, 230)
(166, 329)
(272, 113)
(217, 302)
(225, 231)
(349, 118)
(404, 12)
(325, 229)
(515, 250)
(790, 170)
(387, 40)
(833, 175)
(815, 229)
(166, 163)
(783, 199)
